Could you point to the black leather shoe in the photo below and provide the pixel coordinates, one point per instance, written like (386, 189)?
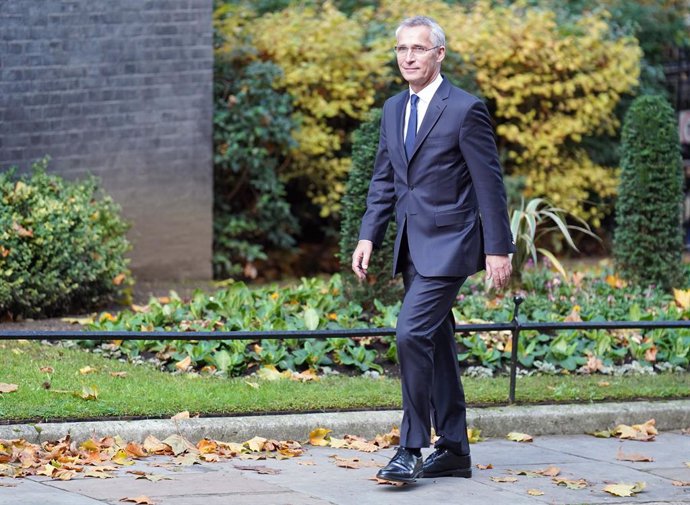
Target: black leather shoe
(403, 467)
(443, 463)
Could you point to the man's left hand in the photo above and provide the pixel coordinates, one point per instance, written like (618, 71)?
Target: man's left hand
(498, 269)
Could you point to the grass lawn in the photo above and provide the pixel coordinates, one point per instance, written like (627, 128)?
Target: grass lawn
(146, 392)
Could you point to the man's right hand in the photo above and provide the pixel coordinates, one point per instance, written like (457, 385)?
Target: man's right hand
(361, 257)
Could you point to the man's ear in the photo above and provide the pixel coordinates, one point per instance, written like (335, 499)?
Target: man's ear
(441, 54)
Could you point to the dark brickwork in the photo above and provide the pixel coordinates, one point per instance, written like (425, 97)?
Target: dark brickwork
(121, 89)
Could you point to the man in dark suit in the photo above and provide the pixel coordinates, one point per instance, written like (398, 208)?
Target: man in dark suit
(437, 166)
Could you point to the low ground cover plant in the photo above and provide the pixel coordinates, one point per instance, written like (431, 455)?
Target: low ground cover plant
(320, 304)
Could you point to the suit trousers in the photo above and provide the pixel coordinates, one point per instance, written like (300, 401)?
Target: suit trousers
(427, 353)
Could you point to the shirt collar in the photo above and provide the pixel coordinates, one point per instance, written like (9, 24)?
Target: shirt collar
(429, 91)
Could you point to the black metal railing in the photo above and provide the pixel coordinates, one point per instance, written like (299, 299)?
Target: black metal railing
(514, 326)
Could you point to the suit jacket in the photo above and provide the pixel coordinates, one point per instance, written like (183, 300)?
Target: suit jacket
(449, 195)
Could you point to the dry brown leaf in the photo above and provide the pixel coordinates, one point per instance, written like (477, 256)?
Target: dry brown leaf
(98, 473)
(188, 459)
(574, 316)
(603, 384)
(569, 483)
(135, 450)
(180, 415)
(388, 482)
(474, 435)
(256, 444)
(119, 279)
(519, 437)
(262, 470)
(551, 471)
(603, 434)
(389, 439)
(120, 458)
(184, 364)
(21, 231)
(682, 298)
(179, 444)
(680, 483)
(46, 369)
(139, 500)
(625, 489)
(504, 479)
(485, 467)
(527, 473)
(363, 446)
(593, 364)
(648, 427)
(120, 375)
(319, 437)
(8, 388)
(87, 370)
(87, 393)
(154, 446)
(307, 462)
(306, 376)
(353, 463)
(535, 492)
(622, 456)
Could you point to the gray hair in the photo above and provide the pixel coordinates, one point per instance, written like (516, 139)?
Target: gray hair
(438, 37)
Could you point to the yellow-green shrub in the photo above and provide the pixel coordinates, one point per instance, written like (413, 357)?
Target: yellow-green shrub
(332, 75)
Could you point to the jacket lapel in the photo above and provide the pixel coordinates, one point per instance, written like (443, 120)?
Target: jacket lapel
(399, 123)
(433, 113)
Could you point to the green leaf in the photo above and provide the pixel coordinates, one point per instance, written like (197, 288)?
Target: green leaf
(311, 319)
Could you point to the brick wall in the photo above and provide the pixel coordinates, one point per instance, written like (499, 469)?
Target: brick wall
(121, 89)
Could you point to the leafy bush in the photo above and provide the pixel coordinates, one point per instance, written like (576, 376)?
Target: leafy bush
(648, 239)
(62, 245)
(252, 127)
(379, 284)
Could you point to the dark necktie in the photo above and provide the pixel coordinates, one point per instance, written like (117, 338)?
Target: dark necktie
(411, 126)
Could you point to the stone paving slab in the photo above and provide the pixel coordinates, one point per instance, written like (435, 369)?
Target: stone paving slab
(315, 479)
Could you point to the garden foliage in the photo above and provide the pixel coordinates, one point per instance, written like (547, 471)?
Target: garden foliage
(252, 124)
(320, 304)
(332, 73)
(62, 245)
(379, 283)
(648, 238)
(555, 76)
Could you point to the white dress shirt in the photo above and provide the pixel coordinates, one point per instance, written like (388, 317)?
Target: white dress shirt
(425, 96)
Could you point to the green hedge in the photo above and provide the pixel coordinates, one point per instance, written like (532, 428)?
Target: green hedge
(380, 285)
(648, 239)
(62, 245)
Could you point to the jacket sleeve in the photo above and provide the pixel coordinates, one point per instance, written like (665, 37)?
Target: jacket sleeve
(381, 195)
(478, 146)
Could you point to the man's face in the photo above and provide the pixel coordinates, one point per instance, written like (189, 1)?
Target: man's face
(419, 70)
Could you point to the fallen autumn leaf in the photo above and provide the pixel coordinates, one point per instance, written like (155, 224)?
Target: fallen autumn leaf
(625, 489)
(8, 388)
(621, 456)
(139, 500)
(262, 470)
(519, 437)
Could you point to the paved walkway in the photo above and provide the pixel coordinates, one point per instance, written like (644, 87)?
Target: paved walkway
(315, 479)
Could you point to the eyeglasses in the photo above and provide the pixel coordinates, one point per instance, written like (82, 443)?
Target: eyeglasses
(416, 50)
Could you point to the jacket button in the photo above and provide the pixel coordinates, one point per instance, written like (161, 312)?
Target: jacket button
(411, 188)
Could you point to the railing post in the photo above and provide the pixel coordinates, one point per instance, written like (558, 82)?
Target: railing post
(514, 349)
